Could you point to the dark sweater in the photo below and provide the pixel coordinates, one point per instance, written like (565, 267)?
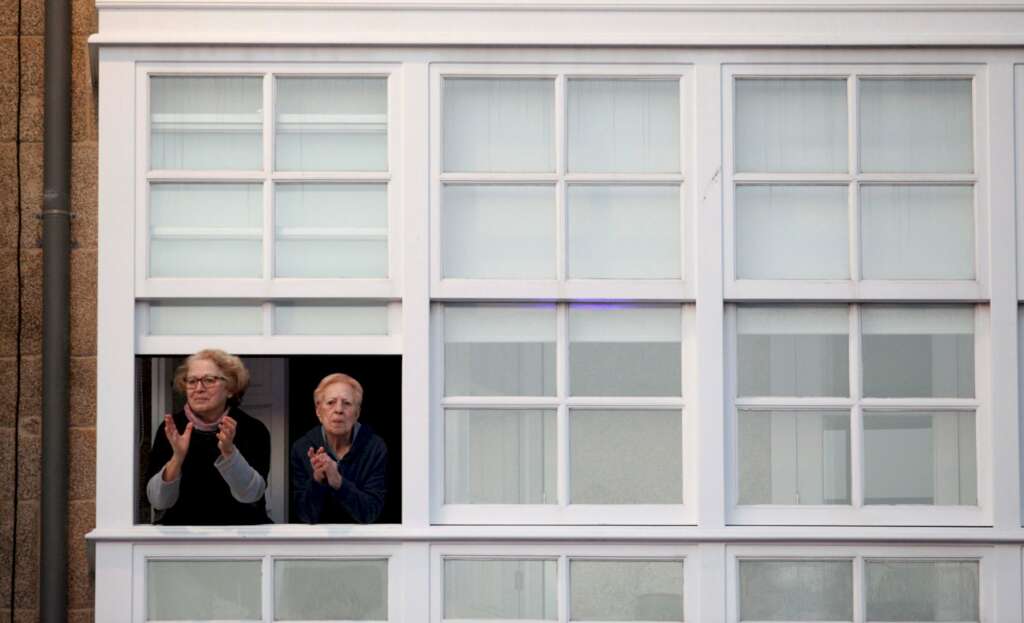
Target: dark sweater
(203, 497)
(363, 470)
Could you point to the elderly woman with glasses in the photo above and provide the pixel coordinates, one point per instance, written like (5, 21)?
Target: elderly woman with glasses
(210, 464)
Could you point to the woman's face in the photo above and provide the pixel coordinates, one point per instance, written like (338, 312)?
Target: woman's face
(206, 389)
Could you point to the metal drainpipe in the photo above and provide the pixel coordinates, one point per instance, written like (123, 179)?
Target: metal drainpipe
(56, 218)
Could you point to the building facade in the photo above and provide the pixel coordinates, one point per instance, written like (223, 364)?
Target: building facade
(670, 310)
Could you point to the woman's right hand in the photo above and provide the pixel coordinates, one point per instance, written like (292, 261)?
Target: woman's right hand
(179, 446)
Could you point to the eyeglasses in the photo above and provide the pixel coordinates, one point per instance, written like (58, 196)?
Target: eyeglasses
(206, 381)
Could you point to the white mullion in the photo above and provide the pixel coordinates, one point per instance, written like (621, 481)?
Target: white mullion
(381, 177)
(853, 222)
(731, 404)
(267, 586)
(500, 402)
(623, 178)
(859, 594)
(456, 177)
(625, 402)
(561, 231)
(268, 319)
(562, 393)
(853, 192)
(857, 467)
(792, 402)
(797, 179)
(171, 176)
(563, 591)
(269, 235)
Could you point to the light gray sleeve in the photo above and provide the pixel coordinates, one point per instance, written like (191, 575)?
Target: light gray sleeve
(245, 483)
(162, 495)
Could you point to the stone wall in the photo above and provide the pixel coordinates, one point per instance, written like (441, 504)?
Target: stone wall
(21, 79)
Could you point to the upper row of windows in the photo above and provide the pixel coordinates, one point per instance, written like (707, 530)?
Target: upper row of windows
(891, 185)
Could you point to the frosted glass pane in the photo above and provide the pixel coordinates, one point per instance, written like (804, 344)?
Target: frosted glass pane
(499, 350)
(498, 232)
(199, 319)
(917, 232)
(500, 456)
(915, 457)
(791, 125)
(794, 457)
(329, 590)
(623, 126)
(331, 230)
(793, 351)
(332, 124)
(796, 590)
(648, 461)
(499, 124)
(917, 590)
(624, 232)
(328, 319)
(626, 590)
(205, 230)
(918, 352)
(500, 589)
(203, 590)
(206, 122)
(625, 351)
(792, 232)
(916, 126)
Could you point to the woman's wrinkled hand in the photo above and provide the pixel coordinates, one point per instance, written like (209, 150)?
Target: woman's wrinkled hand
(179, 446)
(226, 436)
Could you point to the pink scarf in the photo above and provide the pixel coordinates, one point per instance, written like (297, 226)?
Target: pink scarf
(199, 424)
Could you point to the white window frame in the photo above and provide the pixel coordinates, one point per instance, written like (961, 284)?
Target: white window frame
(267, 554)
(562, 287)
(563, 512)
(857, 554)
(856, 513)
(564, 553)
(856, 287)
(267, 287)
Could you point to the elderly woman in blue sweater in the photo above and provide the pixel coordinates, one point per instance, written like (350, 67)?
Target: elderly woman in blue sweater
(339, 467)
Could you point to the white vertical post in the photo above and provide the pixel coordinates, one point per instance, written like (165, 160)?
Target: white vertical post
(115, 332)
(1001, 367)
(415, 298)
(710, 575)
(116, 583)
(1004, 581)
(706, 193)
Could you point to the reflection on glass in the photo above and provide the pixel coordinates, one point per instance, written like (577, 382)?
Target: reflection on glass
(500, 456)
(922, 590)
(625, 351)
(794, 457)
(330, 590)
(507, 589)
(793, 350)
(647, 467)
(918, 352)
(499, 350)
(796, 590)
(625, 590)
(914, 457)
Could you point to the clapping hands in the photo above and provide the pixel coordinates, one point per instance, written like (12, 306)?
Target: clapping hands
(325, 468)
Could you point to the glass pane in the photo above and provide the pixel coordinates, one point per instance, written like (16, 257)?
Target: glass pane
(625, 351)
(623, 126)
(918, 352)
(499, 124)
(916, 126)
(792, 232)
(331, 230)
(794, 457)
(786, 125)
(916, 457)
(205, 230)
(203, 590)
(332, 124)
(329, 590)
(626, 456)
(500, 589)
(205, 319)
(624, 232)
(206, 122)
(330, 319)
(499, 350)
(796, 590)
(498, 232)
(917, 232)
(793, 351)
(500, 456)
(919, 590)
(626, 590)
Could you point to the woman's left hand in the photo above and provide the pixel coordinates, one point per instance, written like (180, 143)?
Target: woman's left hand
(226, 436)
